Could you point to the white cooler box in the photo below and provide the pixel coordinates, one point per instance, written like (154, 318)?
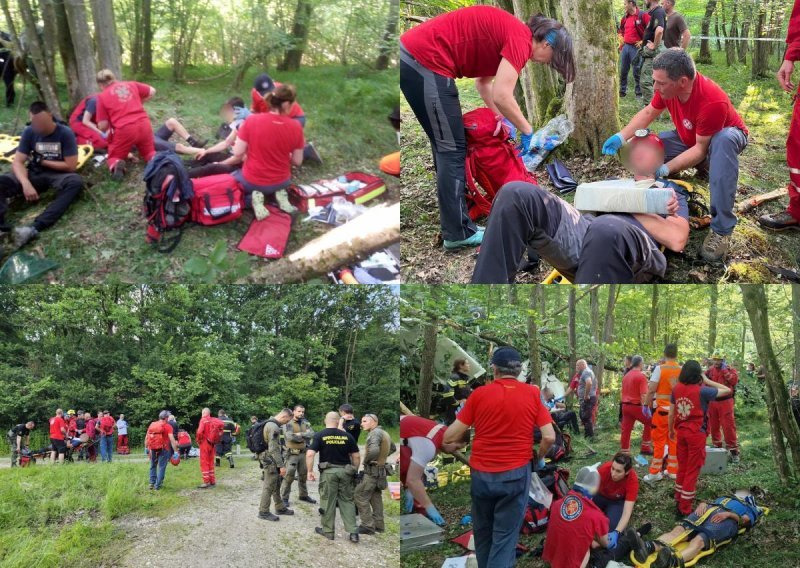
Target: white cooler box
(716, 460)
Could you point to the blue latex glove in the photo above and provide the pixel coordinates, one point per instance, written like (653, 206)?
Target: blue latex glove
(540, 465)
(613, 144)
(408, 502)
(613, 539)
(647, 412)
(525, 143)
(433, 514)
(104, 135)
(241, 112)
(176, 456)
(662, 171)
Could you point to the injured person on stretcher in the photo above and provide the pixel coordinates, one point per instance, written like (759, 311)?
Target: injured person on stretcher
(700, 534)
(587, 249)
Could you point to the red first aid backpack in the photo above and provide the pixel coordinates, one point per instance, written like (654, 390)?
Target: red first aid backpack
(156, 434)
(214, 430)
(217, 199)
(492, 160)
(537, 516)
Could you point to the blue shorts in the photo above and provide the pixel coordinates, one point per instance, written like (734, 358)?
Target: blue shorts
(709, 531)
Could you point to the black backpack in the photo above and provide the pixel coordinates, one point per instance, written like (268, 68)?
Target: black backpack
(165, 206)
(255, 436)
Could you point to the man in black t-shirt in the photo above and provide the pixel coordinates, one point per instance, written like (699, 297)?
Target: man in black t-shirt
(348, 422)
(338, 463)
(651, 47)
(51, 153)
(18, 438)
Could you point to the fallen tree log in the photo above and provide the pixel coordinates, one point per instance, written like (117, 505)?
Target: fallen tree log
(742, 207)
(372, 231)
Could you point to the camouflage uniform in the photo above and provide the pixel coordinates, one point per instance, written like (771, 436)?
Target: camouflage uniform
(296, 434)
(368, 494)
(272, 462)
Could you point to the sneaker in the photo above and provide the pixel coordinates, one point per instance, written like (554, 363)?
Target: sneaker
(152, 486)
(473, 241)
(24, 235)
(286, 511)
(650, 478)
(715, 247)
(308, 499)
(118, 171)
(354, 538)
(268, 516)
(621, 95)
(779, 221)
(204, 486)
(319, 531)
(310, 153)
(365, 530)
(195, 143)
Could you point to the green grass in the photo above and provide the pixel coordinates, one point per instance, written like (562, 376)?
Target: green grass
(63, 515)
(102, 235)
(765, 109)
(771, 543)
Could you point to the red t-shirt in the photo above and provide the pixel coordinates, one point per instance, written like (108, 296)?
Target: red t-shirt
(259, 105)
(793, 35)
(503, 413)
(107, 425)
(574, 523)
(627, 489)
(121, 103)
(634, 385)
(633, 26)
(271, 139)
(470, 42)
(707, 111)
(56, 424)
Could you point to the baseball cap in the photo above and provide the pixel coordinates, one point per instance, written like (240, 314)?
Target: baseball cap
(505, 356)
(264, 84)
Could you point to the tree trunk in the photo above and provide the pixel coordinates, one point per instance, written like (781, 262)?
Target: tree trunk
(82, 45)
(776, 437)
(146, 56)
(730, 44)
(46, 83)
(49, 36)
(782, 423)
(571, 334)
(427, 369)
(66, 51)
(594, 308)
(534, 355)
(595, 87)
(716, 31)
(796, 329)
(389, 43)
(705, 51)
(760, 67)
(300, 30)
(712, 319)
(654, 315)
(741, 46)
(608, 333)
(105, 30)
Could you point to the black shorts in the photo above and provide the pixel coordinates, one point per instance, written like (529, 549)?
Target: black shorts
(59, 446)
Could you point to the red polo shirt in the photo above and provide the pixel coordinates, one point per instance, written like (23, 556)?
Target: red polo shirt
(627, 489)
(634, 385)
(574, 523)
(271, 139)
(707, 111)
(504, 414)
(121, 103)
(470, 42)
(56, 424)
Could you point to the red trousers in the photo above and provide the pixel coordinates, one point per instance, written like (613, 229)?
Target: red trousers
(793, 161)
(661, 440)
(207, 462)
(123, 140)
(631, 414)
(86, 135)
(722, 423)
(122, 440)
(691, 457)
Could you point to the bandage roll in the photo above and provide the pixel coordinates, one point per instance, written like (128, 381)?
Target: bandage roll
(623, 196)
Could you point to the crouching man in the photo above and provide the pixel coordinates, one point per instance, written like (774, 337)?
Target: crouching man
(606, 249)
(51, 153)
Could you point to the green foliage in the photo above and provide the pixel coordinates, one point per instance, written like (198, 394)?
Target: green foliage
(218, 265)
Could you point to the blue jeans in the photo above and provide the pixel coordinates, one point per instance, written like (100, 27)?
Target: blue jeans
(722, 164)
(498, 507)
(612, 508)
(629, 57)
(106, 447)
(160, 459)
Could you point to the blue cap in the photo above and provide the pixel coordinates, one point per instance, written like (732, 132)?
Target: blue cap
(264, 84)
(505, 356)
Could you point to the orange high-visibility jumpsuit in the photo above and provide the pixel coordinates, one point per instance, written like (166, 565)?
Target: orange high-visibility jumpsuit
(669, 372)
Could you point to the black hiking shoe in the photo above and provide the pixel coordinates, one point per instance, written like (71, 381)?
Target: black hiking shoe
(286, 511)
(268, 516)
(195, 143)
(308, 499)
(379, 530)
(204, 486)
(780, 221)
(365, 530)
(216, 462)
(319, 531)
(640, 548)
(285, 502)
(354, 537)
(321, 511)
(667, 558)
(118, 172)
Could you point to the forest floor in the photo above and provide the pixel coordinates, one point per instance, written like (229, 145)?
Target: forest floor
(765, 109)
(102, 235)
(104, 515)
(771, 543)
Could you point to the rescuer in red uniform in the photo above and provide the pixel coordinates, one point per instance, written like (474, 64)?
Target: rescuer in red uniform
(721, 418)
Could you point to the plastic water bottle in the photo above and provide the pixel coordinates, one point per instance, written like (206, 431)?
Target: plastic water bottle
(547, 139)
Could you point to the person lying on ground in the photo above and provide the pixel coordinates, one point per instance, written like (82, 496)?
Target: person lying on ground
(83, 122)
(120, 111)
(172, 126)
(710, 523)
(492, 46)
(46, 158)
(219, 158)
(709, 135)
(604, 249)
(273, 143)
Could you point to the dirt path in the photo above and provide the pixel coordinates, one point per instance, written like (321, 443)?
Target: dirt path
(220, 527)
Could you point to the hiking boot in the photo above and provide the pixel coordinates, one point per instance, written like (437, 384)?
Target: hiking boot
(308, 499)
(473, 241)
(24, 235)
(365, 530)
(641, 548)
(645, 529)
(118, 171)
(735, 459)
(285, 502)
(152, 486)
(779, 221)
(204, 486)
(230, 461)
(286, 511)
(622, 94)
(667, 559)
(268, 516)
(216, 462)
(354, 537)
(310, 153)
(319, 531)
(321, 511)
(650, 478)
(715, 247)
(195, 143)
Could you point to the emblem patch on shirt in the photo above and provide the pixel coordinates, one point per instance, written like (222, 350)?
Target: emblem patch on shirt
(683, 406)
(571, 508)
(687, 124)
(123, 92)
(49, 150)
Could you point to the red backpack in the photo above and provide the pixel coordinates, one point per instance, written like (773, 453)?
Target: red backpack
(492, 160)
(214, 428)
(157, 437)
